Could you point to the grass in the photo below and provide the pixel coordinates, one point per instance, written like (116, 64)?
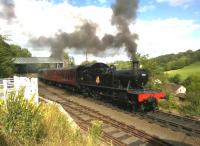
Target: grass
(193, 69)
(24, 123)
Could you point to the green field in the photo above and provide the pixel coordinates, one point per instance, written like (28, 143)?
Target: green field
(193, 69)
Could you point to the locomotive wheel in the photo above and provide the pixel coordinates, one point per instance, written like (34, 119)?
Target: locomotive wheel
(133, 107)
(93, 94)
(97, 96)
(143, 107)
(153, 104)
(149, 105)
(85, 91)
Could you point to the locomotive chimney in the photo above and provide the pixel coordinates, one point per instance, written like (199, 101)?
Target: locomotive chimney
(135, 64)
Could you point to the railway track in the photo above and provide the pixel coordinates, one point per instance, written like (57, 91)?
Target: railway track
(188, 125)
(185, 124)
(119, 133)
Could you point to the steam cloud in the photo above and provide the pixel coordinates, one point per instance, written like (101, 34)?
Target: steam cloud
(124, 12)
(7, 12)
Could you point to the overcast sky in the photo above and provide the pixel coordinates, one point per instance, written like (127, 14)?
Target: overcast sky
(163, 26)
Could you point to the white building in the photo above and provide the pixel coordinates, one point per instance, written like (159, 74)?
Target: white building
(178, 90)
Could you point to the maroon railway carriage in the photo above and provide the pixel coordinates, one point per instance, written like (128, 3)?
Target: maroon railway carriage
(59, 77)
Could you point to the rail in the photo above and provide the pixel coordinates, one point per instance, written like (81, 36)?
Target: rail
(6, 86)
(188, 125)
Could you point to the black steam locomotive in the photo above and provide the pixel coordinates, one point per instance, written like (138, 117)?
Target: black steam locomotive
(125, 87)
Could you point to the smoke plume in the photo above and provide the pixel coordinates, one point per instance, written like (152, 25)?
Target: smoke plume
(7, 12)
(124, 11)
(85, 38)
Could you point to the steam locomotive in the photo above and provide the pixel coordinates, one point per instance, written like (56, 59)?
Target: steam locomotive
(125, 87)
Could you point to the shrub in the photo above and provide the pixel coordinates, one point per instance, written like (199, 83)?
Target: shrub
(175, 79)
(170, 103)
(61, 132)
(21, 119)
(192, 107)
(94, 133)
(24, 123)
(58, 129)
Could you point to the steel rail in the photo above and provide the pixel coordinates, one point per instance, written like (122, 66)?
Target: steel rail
(188, 125)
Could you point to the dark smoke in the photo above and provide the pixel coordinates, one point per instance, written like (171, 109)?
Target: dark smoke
(124, 11)
(85, 38)
(7, 11)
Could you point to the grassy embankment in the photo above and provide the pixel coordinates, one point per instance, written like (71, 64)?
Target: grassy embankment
(193, 69)
(24, 123)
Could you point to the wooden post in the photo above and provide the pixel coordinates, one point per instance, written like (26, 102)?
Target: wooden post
(34, 89)
(5, 86)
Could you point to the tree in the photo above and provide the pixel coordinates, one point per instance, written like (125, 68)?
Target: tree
(17, 51)
(70, 59)
(155, 72)
(6, 59)
(8, 53)
(175, 79)
(192, 84)
(176, 61)
(88, 62)
(122, 64)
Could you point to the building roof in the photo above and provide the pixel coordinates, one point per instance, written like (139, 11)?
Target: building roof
(173, 87)
(181, 95)
(36, 60)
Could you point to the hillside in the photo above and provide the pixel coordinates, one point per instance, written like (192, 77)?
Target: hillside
(177, 61)
(193, 69)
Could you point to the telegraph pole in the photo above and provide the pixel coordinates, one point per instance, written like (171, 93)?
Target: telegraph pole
(86, 57)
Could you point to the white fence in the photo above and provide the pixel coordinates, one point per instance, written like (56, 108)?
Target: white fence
(8, 85)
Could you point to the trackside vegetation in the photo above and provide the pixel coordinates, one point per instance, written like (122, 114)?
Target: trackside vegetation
(191, 104)
(24, 123)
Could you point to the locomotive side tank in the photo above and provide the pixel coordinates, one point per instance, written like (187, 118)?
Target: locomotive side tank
(124, 87)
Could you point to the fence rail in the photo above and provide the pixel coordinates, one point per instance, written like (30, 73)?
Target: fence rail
(8, 85)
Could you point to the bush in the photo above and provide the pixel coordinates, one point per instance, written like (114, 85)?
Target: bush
(189, 106)
(170, 103)
(94, 133)
(21, 119)
(59, 130)
(24, 123)
(192, 107)
(175, 79)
